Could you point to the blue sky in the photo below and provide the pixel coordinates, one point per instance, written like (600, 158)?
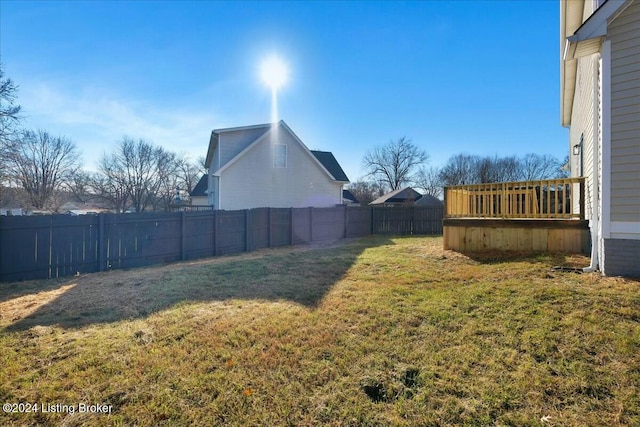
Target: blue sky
(476, 77)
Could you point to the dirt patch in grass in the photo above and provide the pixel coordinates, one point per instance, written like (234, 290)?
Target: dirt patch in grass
(377, 331)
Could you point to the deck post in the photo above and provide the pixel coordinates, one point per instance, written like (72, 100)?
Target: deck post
(582, 199)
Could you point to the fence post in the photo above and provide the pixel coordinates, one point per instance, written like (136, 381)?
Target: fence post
(215, 233)
(270, 226)
(291, 225)
(581, 196)
(246, 229)
(372, 219)
(346, 221)
(183, 237)
(102, 244)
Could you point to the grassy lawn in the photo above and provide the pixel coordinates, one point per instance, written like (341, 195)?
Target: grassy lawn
(374, 331)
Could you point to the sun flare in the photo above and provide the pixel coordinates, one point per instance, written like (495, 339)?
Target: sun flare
(274, 72)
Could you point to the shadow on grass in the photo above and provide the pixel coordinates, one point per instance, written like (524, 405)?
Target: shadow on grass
(303, 275)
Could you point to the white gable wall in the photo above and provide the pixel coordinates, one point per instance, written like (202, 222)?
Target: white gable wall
(252, 181)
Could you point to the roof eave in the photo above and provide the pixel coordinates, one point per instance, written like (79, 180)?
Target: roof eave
(580, 39)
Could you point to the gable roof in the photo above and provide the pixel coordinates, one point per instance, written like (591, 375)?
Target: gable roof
(401, 195)
(200, 190)
(215, 134)
(331, 164)
(429, 200)
(348, 195)
(330, 168)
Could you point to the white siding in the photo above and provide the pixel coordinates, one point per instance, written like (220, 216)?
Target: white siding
(199, 200)
(253, 182)
(624, 34)
(584, 125)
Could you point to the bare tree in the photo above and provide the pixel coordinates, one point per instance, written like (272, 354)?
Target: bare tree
(189, 172)
(43, 165)
(9, 111)
(137, 175)
(539, 166)
(394, 163)
(459, 169)
(366, 191)
(496, 169)
(429, 181)
(9, 120)
(109, 185)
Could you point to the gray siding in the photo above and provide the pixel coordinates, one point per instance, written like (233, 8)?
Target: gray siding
(232, 143)
(624, 33)
(621, 257)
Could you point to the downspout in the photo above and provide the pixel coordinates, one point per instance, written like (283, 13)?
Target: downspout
(595, 174)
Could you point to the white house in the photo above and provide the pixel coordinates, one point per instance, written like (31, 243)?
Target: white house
(600, 103)
(269, 166)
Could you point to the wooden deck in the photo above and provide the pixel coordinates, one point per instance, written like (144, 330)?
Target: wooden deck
(531, 216)
(549, 199)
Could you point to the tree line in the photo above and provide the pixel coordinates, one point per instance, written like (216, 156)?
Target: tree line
(46, 171)
(140, 176)
(401, 163)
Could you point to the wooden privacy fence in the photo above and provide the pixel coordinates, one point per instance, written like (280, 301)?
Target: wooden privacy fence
(40, 247)
(549, 199)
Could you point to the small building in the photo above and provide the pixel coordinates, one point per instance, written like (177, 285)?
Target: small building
(199, 195)
(402, 197)
(349, 199)
(428, 200)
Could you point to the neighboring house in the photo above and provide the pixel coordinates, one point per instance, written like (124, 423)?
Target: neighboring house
(429, 201)
(199, 195)
(269, 166)
(600, 103)
(401, 197)
(11, 211)
(349, 199)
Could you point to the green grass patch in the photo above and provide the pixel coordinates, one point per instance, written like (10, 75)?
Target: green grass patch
(372, 331)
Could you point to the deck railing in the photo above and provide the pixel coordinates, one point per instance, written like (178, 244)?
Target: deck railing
(544, 199)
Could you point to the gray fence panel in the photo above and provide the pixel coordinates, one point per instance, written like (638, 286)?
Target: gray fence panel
(280, 227)
(259, 228)
(302, 225)
(199, 234)
(358, 221)
(231, 231)
(137, 240)
(74, 245)
(428, 220)
(328, 224)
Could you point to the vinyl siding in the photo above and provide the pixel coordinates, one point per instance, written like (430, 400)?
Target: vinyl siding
(583, 124)
(232, 143)
(624, 33)
(253, 182)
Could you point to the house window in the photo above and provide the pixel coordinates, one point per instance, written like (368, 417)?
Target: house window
(279, 156)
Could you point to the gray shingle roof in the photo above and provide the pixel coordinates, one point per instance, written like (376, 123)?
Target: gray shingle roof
(200, 190)
(331, 164)
(402, 195)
